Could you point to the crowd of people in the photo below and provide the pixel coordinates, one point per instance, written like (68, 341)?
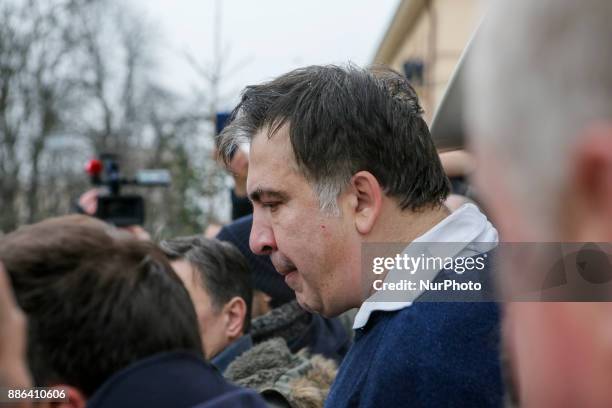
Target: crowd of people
(274, 309)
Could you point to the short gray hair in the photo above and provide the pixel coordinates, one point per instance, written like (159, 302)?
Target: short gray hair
(540, 72)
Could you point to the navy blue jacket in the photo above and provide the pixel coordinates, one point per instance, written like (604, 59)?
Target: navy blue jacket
(430, 354)
(172, 380)
(327, 337)
(222, 360)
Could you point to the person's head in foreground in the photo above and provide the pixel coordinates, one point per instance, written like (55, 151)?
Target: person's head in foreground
(219, 282)
(539, 90)
(338, 157)
(95, 304)
(14, 373)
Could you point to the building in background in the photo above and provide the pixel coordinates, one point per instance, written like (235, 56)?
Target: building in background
(424, 42)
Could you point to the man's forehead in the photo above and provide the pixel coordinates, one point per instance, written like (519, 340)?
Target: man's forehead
(271, 163)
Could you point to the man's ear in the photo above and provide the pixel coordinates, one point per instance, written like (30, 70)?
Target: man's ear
(366, 200)
(235, 313)
(592, 181)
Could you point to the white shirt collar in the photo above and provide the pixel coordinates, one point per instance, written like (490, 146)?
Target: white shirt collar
(465, 225)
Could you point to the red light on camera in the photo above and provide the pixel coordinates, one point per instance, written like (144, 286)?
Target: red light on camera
(93, 167)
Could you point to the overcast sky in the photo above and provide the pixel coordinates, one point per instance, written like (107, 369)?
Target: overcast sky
(263, 38)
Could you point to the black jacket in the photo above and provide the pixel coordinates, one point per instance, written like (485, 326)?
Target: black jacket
(172, 380)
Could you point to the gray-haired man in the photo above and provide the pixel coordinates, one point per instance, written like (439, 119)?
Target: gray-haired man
(539, 88)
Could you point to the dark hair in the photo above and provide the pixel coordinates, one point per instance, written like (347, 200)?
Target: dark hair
(343, 120)
(95, 304)
(223, 270)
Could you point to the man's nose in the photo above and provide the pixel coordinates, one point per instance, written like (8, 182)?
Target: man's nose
(261, 240)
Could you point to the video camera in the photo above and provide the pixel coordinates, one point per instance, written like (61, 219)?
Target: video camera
(115, 208)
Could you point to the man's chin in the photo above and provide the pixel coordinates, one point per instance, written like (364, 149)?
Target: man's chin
(306, 305)
(302, 304)
(310, 308)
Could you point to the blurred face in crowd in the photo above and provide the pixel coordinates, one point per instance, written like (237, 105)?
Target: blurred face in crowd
(310, 248)
(560, 352)
(219, 326)
(548, 179)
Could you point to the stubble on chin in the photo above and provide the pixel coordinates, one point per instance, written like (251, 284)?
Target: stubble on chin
(306, 305)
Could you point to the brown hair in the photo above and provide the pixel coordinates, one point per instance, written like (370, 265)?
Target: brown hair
(95, 303)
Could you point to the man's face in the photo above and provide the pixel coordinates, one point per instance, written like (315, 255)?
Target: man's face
(522, 334)
(553, 347)
(317, 253)
(210, 320)
(554, 353)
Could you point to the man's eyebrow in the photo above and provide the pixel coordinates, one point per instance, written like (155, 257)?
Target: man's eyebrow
(260, 193)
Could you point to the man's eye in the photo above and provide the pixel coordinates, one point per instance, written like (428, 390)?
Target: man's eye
(271, 205)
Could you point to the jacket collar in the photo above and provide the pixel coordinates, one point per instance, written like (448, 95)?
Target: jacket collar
(229, 354)
(464, 227)
(174, 379)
